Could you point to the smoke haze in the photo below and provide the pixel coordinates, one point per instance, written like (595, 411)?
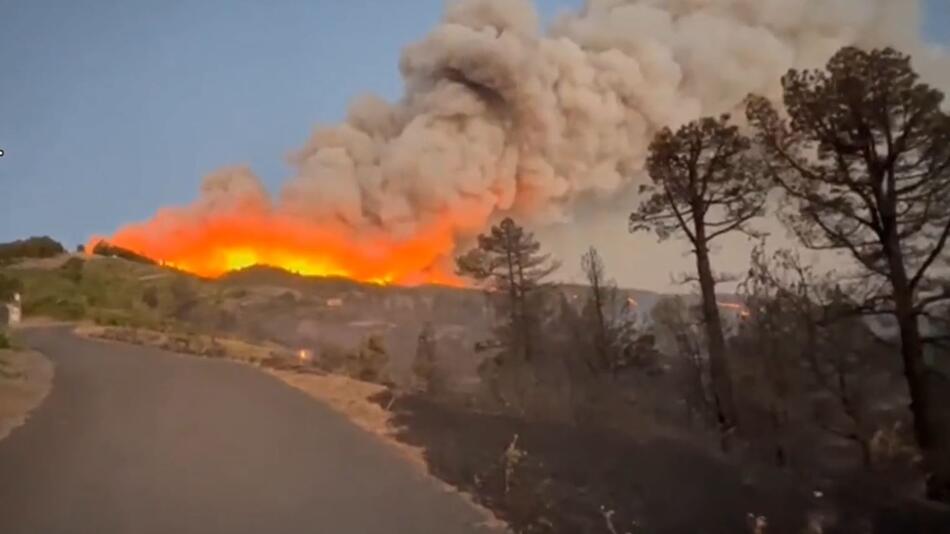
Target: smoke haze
(501, 116)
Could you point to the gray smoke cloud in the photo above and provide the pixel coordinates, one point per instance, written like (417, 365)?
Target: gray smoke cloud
(503, 116)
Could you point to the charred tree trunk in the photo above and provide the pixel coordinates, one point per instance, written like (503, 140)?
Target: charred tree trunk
(867, 455)
(601, 334)
(779, 420)
(716, 343)
(526, 314)
(927, 429)
(926, 425)
(516, 301)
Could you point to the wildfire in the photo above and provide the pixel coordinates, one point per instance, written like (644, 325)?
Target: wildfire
(220, 243)
(739, 308)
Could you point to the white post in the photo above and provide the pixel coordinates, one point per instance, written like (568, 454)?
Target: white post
(15, 310)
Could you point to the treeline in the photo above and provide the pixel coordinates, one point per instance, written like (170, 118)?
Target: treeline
(103, 248)
(34, 247)
(860, 156)
(47, 247)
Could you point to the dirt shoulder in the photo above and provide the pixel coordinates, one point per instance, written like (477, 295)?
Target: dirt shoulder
(26, 377)
(195, 344)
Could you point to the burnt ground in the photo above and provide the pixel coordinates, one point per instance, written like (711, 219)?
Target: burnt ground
(570, 476)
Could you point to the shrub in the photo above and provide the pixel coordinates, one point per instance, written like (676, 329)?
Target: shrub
(370, 361)
(34, 247)
(4, 341)
(238, 293)
(72, 269)
(150, 297)
(427, 375)
(184, 297)
(331, 357)
(8, 287)
(55, 307)
(107, 319)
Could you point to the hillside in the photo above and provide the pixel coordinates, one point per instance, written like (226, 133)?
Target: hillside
(269, 305)
(264, 304)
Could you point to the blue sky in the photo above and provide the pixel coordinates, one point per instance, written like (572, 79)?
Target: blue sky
(112, 108)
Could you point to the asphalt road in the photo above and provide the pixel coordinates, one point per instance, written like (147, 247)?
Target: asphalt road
(137, 440)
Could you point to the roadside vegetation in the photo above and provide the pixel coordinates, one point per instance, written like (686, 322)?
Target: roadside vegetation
(103, 290)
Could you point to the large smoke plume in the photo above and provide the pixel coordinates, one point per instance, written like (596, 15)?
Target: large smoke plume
(502, 116)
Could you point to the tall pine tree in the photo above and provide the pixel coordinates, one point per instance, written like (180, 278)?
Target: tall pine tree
(508, 263)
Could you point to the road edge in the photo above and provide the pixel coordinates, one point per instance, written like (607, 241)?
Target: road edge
(348, 397)
(25, 383)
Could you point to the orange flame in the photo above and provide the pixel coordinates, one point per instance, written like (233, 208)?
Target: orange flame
(739, 308)
(214, 244)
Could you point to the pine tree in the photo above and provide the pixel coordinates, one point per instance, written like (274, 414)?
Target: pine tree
(508, 263)
(705, 185)
(864, 162)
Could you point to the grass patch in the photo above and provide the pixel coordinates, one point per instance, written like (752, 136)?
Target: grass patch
(111, 292)
(64, 308)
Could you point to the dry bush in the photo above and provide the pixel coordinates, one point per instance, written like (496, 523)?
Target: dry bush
(428, 375)
(368, 362)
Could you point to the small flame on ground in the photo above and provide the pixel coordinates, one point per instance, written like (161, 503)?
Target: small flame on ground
(739, 308)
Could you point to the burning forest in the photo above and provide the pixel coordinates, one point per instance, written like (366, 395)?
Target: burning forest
(502, 117)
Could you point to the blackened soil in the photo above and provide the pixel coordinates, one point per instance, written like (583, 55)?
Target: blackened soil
(571, 479)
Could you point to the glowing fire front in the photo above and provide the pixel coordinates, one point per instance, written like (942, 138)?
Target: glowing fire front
(216, 245)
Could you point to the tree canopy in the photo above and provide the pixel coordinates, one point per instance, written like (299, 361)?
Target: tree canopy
(864, 160)
(706, 184)
(509, 264)
(34, 247)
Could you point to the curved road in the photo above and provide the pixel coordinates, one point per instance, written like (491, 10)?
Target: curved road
(137, 440)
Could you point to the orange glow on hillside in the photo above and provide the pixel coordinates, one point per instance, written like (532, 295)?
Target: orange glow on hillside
(215, 244)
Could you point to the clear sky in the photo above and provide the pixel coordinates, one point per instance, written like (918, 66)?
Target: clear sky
(112, 108)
